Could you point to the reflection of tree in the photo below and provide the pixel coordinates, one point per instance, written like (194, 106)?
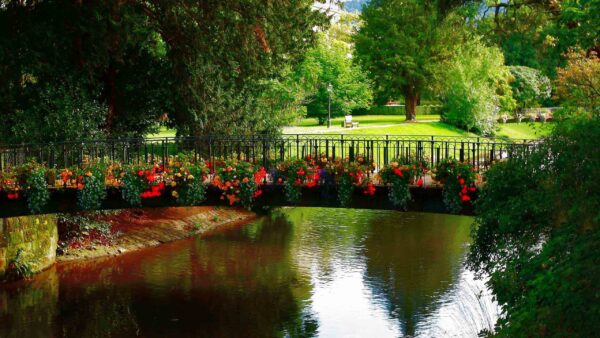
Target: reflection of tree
(325, 238)
(239, 283)
(412, 261)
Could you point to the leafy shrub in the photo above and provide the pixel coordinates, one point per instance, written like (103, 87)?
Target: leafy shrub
(19, 267)
(293, 174)
(537, 235)
(398, 177)
(132, 189)
(349, 175)
(188, 182)
(530, 87)
(459, 183)
(37, 190)
(93, 192)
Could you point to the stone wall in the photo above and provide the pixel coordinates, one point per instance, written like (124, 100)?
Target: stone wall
(36, 235)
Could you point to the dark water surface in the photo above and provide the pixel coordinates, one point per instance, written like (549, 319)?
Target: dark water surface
(298, 272)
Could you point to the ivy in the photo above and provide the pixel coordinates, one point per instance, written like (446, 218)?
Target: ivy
(38, 194)
(93, 192)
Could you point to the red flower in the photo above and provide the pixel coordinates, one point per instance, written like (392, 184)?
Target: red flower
(461, 181)
(398, 172)
(472, 189)
(300, 172)
(370, 189)
(258, 193)
(260, 175)
(464, 189)
(420, 182)
(466, 198)
(297, 181)
(140, 173)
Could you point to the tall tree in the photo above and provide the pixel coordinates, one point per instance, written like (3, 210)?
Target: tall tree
(401, 42)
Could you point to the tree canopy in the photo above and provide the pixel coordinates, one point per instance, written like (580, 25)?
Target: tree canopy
(198, 64)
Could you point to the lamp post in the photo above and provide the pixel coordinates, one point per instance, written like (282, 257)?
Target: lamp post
(329, 90)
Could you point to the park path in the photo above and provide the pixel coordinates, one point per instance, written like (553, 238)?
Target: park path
(299, 130)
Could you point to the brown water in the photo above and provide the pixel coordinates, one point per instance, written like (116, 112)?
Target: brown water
(300, 272)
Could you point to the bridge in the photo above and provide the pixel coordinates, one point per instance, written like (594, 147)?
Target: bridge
(262, 150)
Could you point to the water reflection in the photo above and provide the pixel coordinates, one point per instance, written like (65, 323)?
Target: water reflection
(300, 272)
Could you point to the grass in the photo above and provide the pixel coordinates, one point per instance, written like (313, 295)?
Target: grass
(524, 130)
(396, 124)
(164, 132)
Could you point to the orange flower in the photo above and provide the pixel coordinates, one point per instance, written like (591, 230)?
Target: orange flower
(245, 180)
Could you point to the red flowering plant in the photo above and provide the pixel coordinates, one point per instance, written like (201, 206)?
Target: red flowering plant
(398, 177)
(294, 174)
(9, 184)
(459, 183)
(140, 182)
(239, 182)
(348, 175)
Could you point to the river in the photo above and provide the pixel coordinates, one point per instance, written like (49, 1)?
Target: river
(298, 272)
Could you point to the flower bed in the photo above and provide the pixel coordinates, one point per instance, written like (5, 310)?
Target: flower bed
(240, 183)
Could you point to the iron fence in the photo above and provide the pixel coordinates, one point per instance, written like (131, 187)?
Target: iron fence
(262, 149)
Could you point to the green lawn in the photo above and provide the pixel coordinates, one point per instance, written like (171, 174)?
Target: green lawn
(396, 124)
(524, 130)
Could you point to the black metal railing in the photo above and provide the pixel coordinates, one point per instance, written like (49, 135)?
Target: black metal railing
(261, 149)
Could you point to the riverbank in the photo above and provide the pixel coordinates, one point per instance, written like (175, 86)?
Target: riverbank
(137, 229)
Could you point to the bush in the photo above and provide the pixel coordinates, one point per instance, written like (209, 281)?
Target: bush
(475, 87)
(93, 192)
(537, 235)
(459, 183)
(38, 194)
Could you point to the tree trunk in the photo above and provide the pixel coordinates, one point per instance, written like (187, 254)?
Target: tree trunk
(411, 106)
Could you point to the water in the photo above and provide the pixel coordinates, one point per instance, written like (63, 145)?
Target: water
(300, 272)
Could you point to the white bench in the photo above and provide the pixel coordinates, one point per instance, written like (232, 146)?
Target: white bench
(347, 123)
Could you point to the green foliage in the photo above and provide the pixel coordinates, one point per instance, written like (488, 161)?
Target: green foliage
(84, 229)
(578, 83)
(38, 194)
(133, 187)
(190, 187)
(19, 267)
(459, 183)
(93, 192)
(345, 189)
(537, 235)
(398, 177)
(401, 42)
(530, 87)
(75, 69)
(474, 87)
(293, 173)
(329, 63)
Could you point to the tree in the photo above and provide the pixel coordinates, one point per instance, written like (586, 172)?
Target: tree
(401, 42)
(537, 235)
(330, 62)
(474, 87)
(578, 84)
(530, 87)
(201, 64)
